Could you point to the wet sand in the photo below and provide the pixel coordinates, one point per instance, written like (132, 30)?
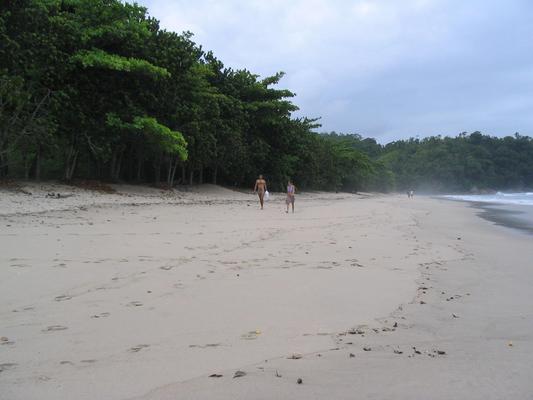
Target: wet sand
(512, 216)
(151, 295)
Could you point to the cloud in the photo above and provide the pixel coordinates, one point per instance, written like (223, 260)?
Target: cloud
(385, 68)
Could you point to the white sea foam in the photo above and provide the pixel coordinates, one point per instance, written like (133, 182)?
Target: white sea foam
(524, 198)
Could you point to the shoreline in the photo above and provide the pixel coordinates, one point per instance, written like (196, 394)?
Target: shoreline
(512, 216)
(155, 298)
(518, 218)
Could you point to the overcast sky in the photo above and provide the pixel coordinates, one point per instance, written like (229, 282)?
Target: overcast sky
(387, 69)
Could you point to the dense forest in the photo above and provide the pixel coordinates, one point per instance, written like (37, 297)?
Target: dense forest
(96, 89)
(469, 162)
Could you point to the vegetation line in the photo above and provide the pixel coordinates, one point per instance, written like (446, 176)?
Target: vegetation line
(95, 89)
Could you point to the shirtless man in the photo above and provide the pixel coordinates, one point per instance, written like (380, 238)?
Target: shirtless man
(260, 188)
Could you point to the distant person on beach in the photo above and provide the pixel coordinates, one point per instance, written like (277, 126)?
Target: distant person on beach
(410, 194)
(291, 191)
(260, 188)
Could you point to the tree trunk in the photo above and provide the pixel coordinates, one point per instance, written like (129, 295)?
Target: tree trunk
(27, 166)
(139, 170)
(172, 171)
(183, 174)
(3, 165)
(112, 166)
(191, 177)
(72, 167)
(215, 173)
(169, 171)
(173, 175)
(118, 166)
(201, 177)
(157, 170)
(38, 159)
(139, 163)
(131, 165)
(70, 163)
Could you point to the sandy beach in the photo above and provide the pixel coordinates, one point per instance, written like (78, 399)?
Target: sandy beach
(148, 294)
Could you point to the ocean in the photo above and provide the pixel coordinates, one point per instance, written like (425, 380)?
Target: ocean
(513, 210)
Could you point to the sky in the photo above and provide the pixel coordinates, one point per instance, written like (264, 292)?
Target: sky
(388, 69)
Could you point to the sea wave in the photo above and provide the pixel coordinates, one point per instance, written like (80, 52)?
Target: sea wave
(522, 198)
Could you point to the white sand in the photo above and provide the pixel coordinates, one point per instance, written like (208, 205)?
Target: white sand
(144, 294)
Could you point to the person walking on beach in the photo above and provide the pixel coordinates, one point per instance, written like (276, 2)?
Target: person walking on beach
(260, 188)
(291, 191)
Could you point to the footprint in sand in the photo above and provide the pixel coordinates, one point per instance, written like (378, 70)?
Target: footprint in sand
(20, 265)
(228, 262)
(88, 361)
(101, 315)
(134, 304)
(63, 297)
(54, 328)
(6, 366)
(204, 346)
(355, 264)
(356, 331)
(252, 335)
(138, 348)
(5, 341)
